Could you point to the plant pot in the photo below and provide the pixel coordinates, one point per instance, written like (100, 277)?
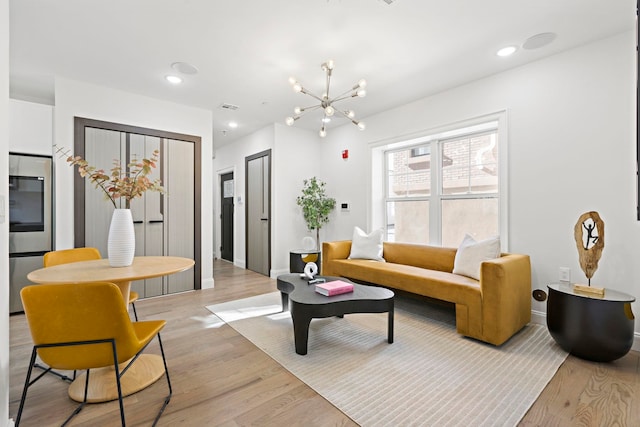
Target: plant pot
(121, 244)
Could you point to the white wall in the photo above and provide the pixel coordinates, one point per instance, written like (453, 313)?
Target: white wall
(571, 136)
(4, 213)
(30, 128)
(295, 156)
(228, 158)
(79, 99)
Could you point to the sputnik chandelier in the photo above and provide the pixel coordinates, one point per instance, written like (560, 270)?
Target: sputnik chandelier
(326, 102)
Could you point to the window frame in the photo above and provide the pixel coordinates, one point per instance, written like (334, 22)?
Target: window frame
(434, 139)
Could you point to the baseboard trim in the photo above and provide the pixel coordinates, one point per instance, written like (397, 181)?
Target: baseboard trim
(275, 273)
(208, 283)
(540, 318)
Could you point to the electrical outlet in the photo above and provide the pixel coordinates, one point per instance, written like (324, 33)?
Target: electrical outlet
(565, 274)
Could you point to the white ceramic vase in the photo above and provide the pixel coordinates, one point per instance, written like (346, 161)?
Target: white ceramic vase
(121, 245)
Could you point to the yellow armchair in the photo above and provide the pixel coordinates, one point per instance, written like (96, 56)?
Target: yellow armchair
(66, 256)
(84, 327)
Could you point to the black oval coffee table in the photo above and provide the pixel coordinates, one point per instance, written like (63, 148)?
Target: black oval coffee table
(305, 304)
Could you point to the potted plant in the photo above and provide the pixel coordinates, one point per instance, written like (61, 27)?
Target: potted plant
(315, 205)
(126, 184)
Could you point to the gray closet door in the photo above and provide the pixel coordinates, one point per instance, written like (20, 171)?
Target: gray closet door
(179, 210)
(147, 215)
(164, 225)
(258, 212)
(103, 147)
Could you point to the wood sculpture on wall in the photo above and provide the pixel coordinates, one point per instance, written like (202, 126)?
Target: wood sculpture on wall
(589, 235)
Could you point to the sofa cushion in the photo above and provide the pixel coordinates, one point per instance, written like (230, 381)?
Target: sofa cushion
(436, 284)
(366, 246)
(429, 257)
(471, 254)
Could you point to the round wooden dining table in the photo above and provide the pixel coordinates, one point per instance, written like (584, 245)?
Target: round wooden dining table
(148, 368)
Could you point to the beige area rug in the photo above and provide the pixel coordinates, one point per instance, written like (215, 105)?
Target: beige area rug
(429, 376)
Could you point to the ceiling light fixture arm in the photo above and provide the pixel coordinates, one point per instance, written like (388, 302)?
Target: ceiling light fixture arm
(326, 103)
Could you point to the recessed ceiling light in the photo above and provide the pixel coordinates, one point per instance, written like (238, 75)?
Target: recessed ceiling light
(233, 125)
(184, 68)
(539, 40)
(506, 51)
(173, 79)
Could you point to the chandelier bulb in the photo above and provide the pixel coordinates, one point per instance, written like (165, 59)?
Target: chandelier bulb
(350, 113)
(322, 133)
(292, 81)
(329, 110)
(297, 110)
(361, 125)
(289, 121)
(327, 65)
(362, 83)
(361, 93)
(297, 87)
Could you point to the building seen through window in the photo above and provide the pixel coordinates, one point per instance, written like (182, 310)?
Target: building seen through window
(441, 189)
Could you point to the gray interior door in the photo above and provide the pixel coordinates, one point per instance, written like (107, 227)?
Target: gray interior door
(147, 213)
(258, 212)
(164, 224)
(179, 209)
(102, 148)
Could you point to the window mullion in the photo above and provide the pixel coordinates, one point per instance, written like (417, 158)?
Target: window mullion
(435, 211)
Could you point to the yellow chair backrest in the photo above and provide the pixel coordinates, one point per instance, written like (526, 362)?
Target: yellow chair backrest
(65, 256)
(60, 313)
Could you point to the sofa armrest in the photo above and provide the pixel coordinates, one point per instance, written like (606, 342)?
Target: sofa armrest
(332, 251)
(505, 283)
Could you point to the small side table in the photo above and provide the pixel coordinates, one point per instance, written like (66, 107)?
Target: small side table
(589, 326)
(298, 259)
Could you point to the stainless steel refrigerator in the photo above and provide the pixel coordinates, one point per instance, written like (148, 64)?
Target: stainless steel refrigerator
(30, 219)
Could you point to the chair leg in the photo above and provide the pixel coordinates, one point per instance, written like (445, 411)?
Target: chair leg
(135, 314)
(58, 374)
(26, 385)
(84, 401)
(166, 372)
(118, 385)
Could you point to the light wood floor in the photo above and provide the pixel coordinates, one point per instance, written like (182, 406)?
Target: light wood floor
(220, 379)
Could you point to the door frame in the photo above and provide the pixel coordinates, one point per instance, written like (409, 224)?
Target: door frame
(267, 154)
(233, 217)
(80, 123)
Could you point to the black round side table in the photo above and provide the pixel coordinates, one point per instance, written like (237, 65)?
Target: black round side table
(589, 326)
(298, 259)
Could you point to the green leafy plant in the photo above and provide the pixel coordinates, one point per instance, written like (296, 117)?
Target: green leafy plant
(315, 205)
(127, 184)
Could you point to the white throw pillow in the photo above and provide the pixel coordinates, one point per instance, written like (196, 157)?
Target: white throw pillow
(366, 246)
(471, 254)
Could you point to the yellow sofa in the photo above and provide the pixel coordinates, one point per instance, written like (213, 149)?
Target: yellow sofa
(491, 309)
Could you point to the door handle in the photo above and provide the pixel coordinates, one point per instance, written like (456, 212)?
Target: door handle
(155, 221)
(264, 219)
(138, 222)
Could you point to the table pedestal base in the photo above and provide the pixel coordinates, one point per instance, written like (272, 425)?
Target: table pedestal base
(146, 370)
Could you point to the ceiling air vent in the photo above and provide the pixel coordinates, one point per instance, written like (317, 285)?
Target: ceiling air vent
(226, 106)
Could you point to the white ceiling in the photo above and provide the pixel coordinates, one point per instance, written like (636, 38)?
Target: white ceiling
(246, 50)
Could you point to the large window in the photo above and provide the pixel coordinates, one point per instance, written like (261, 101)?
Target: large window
(440, 187)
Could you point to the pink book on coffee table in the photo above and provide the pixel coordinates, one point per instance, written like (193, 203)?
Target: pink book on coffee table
(335, 287)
